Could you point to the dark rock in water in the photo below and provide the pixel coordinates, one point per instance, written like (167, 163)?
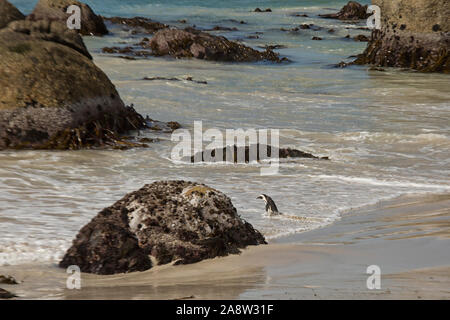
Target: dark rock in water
(316, 38)
(173, 125)
(273, 47)
(166, 221)
(260, 10)
(52, 94)
(174, 79)
(127, 57)
(358, 28)
(55, 10)
(220, 28)
(295, 29)
(7, 280)
(192, 43)
(351, 11)
(9, 13)
(161, 78)
(237, 21)
(6, 294)
(167, 127)
(376, 69)
(299, 15)
(409, 37)
(361, 38)
(305, 26)
(147, 140)
(142, 24)
(342, 64)
(232, 152)
(117, 49)
(131, 52)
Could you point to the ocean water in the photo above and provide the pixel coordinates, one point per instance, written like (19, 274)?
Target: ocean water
(387, 133)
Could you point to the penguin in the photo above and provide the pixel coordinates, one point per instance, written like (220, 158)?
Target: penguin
(271, 208)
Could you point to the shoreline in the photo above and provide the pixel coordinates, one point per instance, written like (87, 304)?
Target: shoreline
(408, 238)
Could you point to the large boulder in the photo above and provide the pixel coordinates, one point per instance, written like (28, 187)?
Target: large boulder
(166, 221)
(8, 13)
(351, 11)
(49, 31)
(192, 43)
(56, 10)
(51, 93)
(414, 34)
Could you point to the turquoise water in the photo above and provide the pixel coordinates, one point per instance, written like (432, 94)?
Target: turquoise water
(387, 133)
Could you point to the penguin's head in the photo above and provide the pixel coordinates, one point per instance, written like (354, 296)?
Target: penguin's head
(263, 197)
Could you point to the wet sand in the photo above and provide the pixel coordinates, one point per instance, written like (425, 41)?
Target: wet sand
(408, 238)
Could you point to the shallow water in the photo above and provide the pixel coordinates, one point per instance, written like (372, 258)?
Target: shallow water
(387, 133)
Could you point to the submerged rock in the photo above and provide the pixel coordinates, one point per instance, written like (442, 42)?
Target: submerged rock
(7, 280)
(233, 151)
(166, 127)
(192, 43)
(414, 34)
(56, 10)
(351, 11)
(190, 79)
(261, 10)
(9, 13)
(52, 94)
(141, 24)
(273, 46)
(361, 38)
(166, 221)
(220, 28)
(6, 294)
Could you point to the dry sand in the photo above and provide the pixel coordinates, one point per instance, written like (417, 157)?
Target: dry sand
(408, 238)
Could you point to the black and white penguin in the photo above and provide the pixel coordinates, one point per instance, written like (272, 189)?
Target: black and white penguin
(271, 207)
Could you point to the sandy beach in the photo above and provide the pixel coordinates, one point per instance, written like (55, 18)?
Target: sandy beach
(408, 238)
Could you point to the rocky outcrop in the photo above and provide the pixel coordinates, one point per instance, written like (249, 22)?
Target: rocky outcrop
(7, 280)
(138, 24)
(233, 151)
(414, 34)
(351, 11)
(166, 221)
(8, 13)
(52, 95)
(192, 43)
(56, 10)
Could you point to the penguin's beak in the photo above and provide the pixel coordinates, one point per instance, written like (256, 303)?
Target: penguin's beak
(259, 197)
